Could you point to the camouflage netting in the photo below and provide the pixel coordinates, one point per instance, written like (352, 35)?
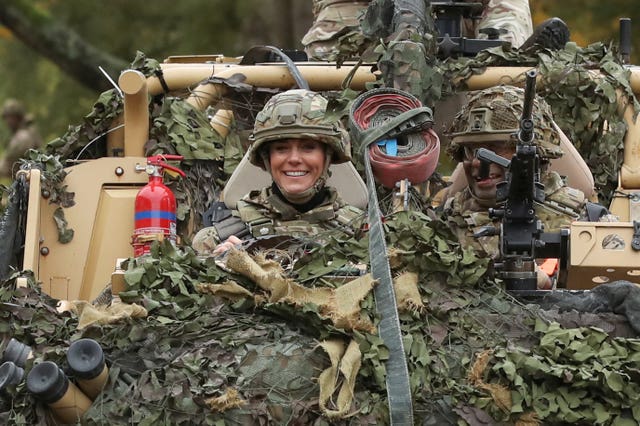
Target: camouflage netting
(176, 128)
(584, 104)
(582, 85)
(584, 107)
(224, 347)
(221, 346)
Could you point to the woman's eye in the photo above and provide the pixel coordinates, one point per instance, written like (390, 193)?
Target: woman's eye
(309, 146)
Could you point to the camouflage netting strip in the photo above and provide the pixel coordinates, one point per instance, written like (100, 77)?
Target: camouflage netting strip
(115, 312)
(340, 305)
(341, 374)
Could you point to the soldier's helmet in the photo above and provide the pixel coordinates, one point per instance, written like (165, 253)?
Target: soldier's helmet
(13, 107)
(493, 115)
(298, 114)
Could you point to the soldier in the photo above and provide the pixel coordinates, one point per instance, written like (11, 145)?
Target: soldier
(24, 135)
(512, 20)
(491, 120)
(296, 144)
(335, 30)
(336, 33)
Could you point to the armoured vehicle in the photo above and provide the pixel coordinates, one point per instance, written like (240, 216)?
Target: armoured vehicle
(216, 351)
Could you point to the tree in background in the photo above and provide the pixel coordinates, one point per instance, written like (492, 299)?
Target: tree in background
(591, 20)
(40, 38)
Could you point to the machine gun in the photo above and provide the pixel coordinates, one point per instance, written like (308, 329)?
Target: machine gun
(449, 21)
(522, 236)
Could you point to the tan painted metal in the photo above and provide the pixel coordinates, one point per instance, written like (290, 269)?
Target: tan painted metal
(115, 138)
(626, 204)
(102, 217)
(180, 76)
(221, 122)
(319, 77)
(102, 220)
(600, 253)
(32, 231)
(197, 59)
(630, 171)
(136, 112)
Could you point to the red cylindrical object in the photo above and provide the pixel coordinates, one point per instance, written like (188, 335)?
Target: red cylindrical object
(155, 215)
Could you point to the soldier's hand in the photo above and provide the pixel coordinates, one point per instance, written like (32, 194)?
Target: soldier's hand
(230, 242)
(544, 281)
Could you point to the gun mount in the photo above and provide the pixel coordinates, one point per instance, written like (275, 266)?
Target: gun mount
(522, 236)
(449, 22)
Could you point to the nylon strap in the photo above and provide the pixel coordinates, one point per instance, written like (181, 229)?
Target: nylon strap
(158, 73)
(397, 378)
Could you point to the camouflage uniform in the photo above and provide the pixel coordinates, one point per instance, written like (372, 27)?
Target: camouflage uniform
(267, 214)
(335, 30)
(295, 114)
(466, 217)
(336, 33)
(493, 115)
(25, 136)
(511, 17)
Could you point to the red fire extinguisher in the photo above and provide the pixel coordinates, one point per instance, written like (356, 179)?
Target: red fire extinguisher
(155, 207)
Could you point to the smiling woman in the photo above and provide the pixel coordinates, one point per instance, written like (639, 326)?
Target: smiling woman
(295, 142)
(296, 166)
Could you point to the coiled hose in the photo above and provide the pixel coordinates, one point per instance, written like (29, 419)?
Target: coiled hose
(416, 147)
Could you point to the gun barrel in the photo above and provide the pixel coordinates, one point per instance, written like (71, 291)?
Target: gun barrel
(526, 122)
(529, 94)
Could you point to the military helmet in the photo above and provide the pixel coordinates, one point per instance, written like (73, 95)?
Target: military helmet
(298, 114)
(493, 115)
(13, 107)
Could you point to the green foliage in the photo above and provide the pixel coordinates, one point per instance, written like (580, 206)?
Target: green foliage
(577, 375)
(168, 276)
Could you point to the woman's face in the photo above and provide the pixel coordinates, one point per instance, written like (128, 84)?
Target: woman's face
(296, 164)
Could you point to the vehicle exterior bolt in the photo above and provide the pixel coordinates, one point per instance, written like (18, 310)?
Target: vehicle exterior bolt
(44, 251)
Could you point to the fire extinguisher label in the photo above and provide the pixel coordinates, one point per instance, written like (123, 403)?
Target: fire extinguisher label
(153, 225)
(155, 214)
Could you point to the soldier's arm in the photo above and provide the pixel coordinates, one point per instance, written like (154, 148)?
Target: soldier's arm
(220, 237)
(513, 16)
(229, 243)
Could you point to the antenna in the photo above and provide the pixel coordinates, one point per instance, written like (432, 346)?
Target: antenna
(113, 83)
(625, 40)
